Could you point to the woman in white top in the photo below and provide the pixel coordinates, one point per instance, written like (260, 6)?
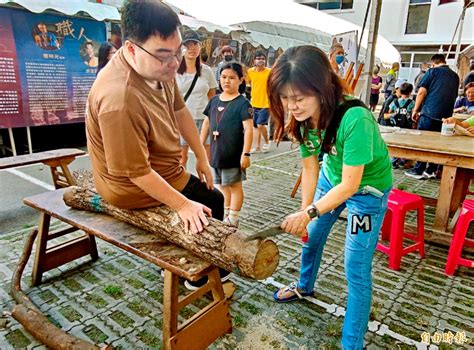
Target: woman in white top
(198, 94)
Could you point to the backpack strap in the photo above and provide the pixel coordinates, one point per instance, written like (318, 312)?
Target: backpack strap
(407, 103)
(396, 103)
(330, 136)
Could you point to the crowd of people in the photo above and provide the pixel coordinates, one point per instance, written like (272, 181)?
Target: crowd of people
(435, 101)
(154, 100)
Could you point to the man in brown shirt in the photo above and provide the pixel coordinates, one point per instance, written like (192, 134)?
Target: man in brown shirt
(134, 117)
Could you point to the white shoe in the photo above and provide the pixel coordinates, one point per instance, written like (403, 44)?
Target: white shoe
(255, 150)
(429, 176)
(266, 147)
(228, 222)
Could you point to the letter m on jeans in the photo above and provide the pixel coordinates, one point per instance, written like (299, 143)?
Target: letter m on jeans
(361, 223)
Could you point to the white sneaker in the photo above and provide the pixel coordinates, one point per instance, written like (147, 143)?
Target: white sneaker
(255, 150)
(266, 147)
(228, 222)
(428, 175)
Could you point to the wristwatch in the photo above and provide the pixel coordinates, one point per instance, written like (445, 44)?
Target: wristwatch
(312, 211)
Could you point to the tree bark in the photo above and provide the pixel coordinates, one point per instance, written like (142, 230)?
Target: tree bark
(219, 244)
(30, 317)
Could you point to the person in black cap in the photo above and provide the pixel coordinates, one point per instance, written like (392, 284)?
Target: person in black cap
(196, 84)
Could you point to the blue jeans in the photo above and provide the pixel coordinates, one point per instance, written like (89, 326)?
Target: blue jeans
(430, 124)
(365, 217)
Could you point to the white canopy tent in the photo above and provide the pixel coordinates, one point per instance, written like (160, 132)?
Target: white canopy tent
(280, 35)
(286, 12)
(97, 11)
(197, 24)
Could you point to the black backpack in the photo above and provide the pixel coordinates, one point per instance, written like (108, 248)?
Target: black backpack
(385, 108)
(402, 118)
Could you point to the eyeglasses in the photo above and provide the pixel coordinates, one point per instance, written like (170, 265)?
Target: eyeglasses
(166, 60)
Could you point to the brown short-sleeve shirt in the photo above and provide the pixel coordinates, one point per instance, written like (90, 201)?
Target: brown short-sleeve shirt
(131, 129)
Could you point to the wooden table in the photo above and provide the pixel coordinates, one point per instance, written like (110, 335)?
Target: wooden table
(455, 153)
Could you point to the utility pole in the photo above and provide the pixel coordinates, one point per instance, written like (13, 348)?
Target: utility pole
(467, 4)
(372, 43)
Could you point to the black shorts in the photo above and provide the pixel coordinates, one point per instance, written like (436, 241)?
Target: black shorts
(374, 99)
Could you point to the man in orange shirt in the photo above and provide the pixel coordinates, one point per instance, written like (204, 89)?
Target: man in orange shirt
(135, 115)
(257, 77)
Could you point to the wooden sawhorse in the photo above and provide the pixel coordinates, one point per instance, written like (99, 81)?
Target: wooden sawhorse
(57, 160)
(200, 330)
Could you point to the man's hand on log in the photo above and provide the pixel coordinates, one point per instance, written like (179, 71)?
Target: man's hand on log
(296, 223)
(204, 172)
(194, 217)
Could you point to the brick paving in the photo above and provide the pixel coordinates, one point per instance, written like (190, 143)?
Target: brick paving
(118, 299)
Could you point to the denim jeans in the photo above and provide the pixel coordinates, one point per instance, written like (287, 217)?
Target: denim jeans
(430, 124)
(364, 219)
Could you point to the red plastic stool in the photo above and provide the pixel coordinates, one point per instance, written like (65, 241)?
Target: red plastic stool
(393, 228)
(459, 239)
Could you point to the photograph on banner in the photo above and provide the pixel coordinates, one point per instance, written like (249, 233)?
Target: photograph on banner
(44, 37)
(88, 52)
(348, 41)
(248, 54)
(216, 48)
(47, 65)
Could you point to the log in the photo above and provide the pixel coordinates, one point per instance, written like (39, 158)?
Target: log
(219, 244)
(30, 317)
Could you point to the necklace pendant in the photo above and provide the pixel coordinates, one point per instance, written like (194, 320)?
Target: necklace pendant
(220, 108)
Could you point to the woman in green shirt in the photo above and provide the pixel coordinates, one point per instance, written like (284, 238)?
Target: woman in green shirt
(356, 174)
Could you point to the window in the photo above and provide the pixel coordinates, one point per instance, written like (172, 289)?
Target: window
(418, 15)
(328, 4)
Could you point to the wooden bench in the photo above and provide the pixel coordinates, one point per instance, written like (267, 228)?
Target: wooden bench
(199, 331)
(58, 161)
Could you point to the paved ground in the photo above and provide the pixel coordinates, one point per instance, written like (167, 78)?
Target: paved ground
(118, 299)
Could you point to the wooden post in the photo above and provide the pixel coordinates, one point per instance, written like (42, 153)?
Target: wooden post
(28, 136)
(372, 43)
(12, 141)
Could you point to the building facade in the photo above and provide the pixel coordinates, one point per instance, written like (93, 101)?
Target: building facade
(417, 28)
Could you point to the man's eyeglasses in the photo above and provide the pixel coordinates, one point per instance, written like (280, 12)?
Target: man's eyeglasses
(164, 60)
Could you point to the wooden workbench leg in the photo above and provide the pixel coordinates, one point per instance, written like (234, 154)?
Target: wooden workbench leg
(170, 308)
(217, 290)
(462, 180)
(55, 176)
(93, 246)
(67, 173)
(63, 178)
(41, 242)
(446, 190)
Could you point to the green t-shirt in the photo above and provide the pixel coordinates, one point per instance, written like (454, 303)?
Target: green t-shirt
(470, 121)
(358, 142)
